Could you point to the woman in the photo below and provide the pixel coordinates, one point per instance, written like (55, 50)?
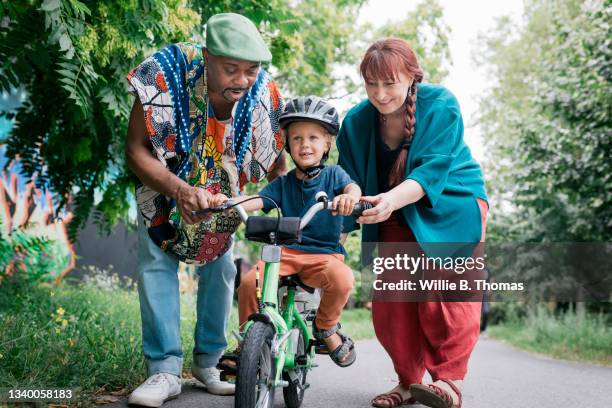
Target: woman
(404, 147)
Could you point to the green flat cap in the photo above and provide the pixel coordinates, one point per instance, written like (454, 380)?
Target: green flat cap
(235, 36)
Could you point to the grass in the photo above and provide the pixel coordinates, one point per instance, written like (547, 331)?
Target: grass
(88, 336)
(76, 336)
(357, 324)
(566, 336)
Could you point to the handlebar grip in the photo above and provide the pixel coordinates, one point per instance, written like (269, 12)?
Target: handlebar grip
(203, 211)
(360, 207)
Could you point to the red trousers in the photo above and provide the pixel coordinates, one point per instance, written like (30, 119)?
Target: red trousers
(434, 336)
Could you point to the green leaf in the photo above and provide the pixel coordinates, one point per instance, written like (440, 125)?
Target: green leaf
(80, 7)
(65, 42)
(67, 73)
(50, 5)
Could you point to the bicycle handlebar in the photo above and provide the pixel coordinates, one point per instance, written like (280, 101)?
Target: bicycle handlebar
(322, 204)
(325, 205)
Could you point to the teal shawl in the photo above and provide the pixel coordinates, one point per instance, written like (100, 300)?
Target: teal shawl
(439, 160)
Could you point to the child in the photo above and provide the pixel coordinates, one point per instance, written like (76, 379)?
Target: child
(309, 125)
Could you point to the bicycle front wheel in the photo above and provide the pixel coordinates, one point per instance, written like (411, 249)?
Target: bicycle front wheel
(294, 393)
(256, 368)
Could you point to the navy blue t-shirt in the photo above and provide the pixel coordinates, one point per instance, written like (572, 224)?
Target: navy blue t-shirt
(295, 197)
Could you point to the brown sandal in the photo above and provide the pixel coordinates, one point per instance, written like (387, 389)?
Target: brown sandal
(434, 396)
(392, 400)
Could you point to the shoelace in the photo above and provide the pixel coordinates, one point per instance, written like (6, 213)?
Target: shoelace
(157, 379)
(214, 374)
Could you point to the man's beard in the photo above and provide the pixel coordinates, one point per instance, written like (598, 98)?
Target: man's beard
(228, 96)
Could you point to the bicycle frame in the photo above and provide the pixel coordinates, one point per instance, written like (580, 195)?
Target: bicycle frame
(290, 322)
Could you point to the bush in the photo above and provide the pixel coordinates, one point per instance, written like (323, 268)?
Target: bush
(32, 257)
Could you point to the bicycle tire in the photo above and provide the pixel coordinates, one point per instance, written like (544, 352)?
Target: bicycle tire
(256, 367)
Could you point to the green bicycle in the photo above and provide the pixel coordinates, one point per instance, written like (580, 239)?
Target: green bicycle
(277, 349)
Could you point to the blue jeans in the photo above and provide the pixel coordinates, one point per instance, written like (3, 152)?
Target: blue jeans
(158, 289)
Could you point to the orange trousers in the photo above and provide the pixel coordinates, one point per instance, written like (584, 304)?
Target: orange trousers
(434, 336)
(325, 271)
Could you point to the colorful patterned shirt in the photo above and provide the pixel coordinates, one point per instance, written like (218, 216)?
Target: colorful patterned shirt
(220, 156)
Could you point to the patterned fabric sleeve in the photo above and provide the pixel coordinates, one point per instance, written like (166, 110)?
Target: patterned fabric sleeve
(150, 85)
(277, 105)
(266, 140)
(166, 126)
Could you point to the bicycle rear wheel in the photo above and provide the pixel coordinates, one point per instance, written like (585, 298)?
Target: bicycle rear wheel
(256, 369)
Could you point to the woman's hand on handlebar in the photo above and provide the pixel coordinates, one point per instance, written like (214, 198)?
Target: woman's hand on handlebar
(343, 204)
(382, 210)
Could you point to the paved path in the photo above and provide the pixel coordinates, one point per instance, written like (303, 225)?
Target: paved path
(499, 377)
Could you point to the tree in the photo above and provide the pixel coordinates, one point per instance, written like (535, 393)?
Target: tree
(547, 122)
(426, 31)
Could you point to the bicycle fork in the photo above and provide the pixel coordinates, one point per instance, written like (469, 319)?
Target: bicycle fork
(285, 343)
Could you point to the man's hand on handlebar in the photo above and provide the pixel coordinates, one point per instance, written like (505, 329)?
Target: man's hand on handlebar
(217, 200)
(189, 199)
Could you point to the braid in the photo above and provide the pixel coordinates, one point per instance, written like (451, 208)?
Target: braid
(396, 176)
(410, 110)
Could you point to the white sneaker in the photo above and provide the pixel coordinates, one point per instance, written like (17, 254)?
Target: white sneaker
(158, 389)
(210, 378)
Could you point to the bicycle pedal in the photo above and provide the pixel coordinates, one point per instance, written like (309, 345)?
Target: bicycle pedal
(222, 364)
(321, 349)
(227, 376)
(227, 371)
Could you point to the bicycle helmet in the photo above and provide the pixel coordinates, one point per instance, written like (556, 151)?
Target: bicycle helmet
(310, 109)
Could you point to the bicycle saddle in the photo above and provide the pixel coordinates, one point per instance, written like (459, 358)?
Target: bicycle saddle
(293, 281)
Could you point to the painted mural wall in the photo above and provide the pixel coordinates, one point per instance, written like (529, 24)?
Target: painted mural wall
(23, 207)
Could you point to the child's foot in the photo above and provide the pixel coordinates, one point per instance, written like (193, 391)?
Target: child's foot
(394, 398)
(333, 342)
(341, 349)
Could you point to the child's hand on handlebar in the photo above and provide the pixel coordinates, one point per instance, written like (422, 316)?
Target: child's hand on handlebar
(343, 204)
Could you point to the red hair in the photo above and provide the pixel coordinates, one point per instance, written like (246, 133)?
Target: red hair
(383, 61)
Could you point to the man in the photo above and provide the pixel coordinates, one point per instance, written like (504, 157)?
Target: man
(205, 121)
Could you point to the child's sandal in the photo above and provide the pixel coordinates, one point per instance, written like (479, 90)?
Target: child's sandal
(344, 355)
